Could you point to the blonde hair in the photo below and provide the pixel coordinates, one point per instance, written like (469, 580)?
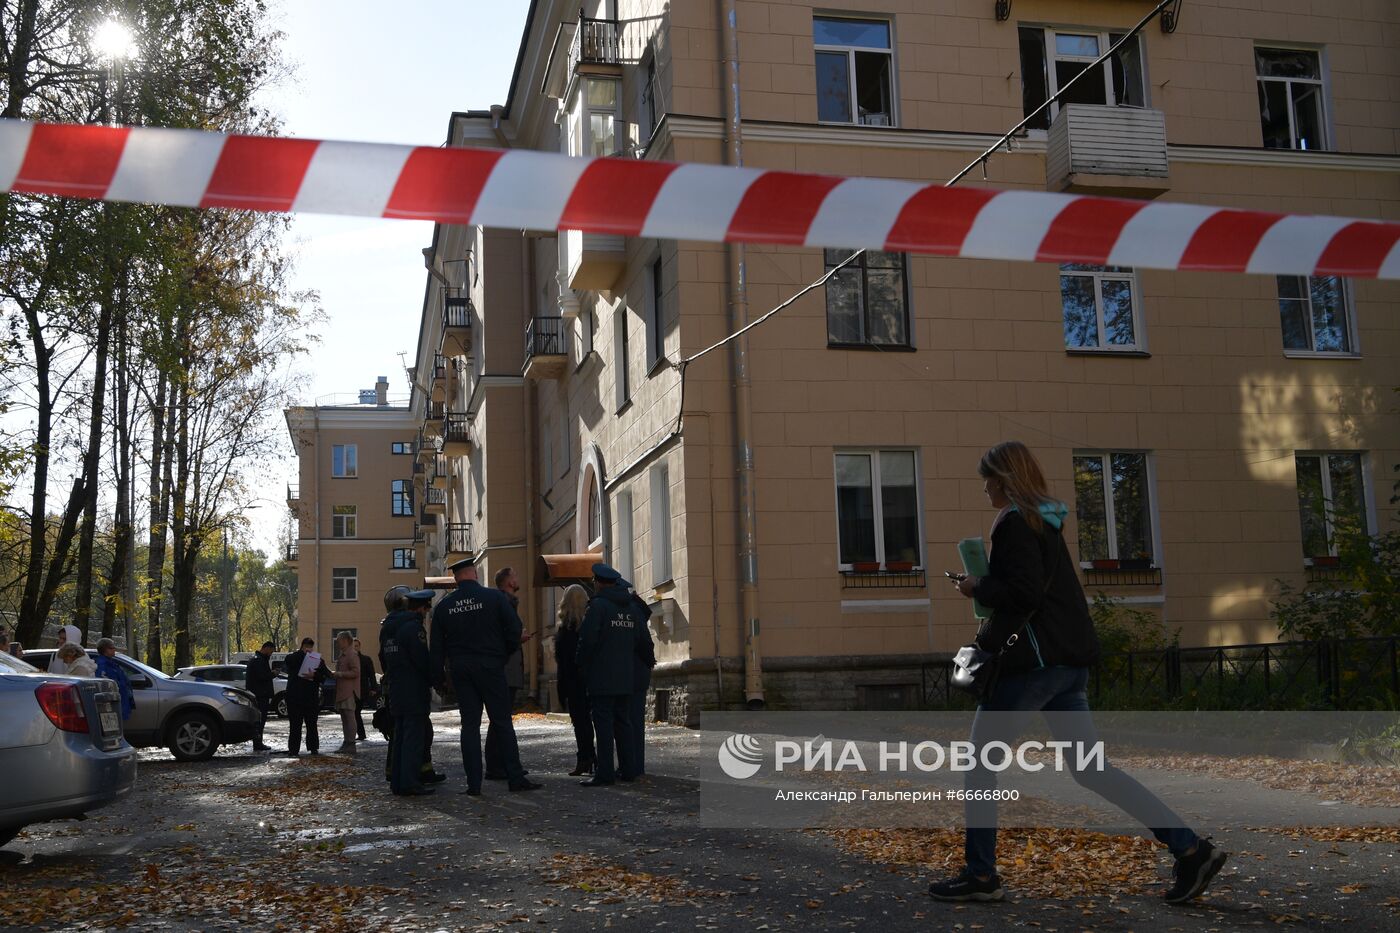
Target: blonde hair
(69, 650)
(572, 606)
(1012, 464)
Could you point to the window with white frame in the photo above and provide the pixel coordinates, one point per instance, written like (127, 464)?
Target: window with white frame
(600, 99)
(656, 335)
(343, 521)
(660, 477)
(867, 302)
(1100, 307)
(1315, 314)
(399, 448)
(345, 584)
(1331, 501)
(345, 460)
(877, 508)
(405, 558)
(622, 505)
(622, 357)
(1292, 111)
(855, 70)
(401, 498)
(1051, 57)
(1113, 502)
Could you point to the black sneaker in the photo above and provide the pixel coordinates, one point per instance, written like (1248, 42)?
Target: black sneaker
(432, 777)
(967, 887)
(1192, 873)
(524, 785)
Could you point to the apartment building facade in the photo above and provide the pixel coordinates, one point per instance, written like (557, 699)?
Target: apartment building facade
(789, 513)
(354, 513)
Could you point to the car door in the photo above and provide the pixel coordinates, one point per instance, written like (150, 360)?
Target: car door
(144, 721)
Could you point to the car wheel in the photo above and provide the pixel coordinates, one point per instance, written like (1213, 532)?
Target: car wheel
(194, 737)
(279, 704)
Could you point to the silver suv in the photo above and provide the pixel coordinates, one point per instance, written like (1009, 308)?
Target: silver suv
(190, 718)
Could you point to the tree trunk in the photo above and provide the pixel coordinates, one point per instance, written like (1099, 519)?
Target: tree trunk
(92, 457)
(122, 532)
(31, 623)
(160, 509)
(185, 550)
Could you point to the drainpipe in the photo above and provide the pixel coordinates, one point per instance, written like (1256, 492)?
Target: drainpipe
(497, 111)
(743, 383)
(316, 517)
(527, 287)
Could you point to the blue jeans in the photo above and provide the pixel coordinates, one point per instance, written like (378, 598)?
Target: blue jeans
(1054, 690)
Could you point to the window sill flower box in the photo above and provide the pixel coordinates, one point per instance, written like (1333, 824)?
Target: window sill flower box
(866, 566)
(1105, 564)
(899, 566)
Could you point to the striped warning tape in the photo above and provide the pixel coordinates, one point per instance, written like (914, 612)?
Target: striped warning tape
(523, 189)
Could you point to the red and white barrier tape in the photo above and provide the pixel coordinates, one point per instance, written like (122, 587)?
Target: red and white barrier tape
(523, 189)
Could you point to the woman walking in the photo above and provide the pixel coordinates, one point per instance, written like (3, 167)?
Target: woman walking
(1041, 628)
(571, 688)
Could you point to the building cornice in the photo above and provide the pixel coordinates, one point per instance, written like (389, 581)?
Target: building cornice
(688, 127)
(306, 418)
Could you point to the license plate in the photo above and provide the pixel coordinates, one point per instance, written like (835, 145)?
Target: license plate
(110, 723)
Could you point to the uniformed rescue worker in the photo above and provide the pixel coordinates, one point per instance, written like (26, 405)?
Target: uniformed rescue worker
(475, 630)
(403, 651)
(384, 716)
(607, 649)
(643, 660)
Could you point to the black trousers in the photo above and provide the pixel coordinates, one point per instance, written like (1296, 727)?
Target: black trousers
(580, 716)
(264, 703)
(483, 686)
(613, 725)
(406, 752)
(298, 715)
(495, 763)
(360, 718)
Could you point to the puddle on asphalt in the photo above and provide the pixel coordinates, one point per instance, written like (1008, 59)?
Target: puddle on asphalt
(392, 844)
(337, 832)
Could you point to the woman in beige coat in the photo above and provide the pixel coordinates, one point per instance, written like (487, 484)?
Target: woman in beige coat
(347, 688)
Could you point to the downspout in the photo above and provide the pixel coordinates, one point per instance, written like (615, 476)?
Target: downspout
(743, 383)
(316, 517)
(527, 287)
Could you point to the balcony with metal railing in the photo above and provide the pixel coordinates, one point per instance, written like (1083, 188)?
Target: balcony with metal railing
(439, 383)
(457, 435)
(433, 416)
(441, 472)
(595, 42)
(546, 347)
(435, 501)
(292, 551)
(459, 541)
(456, 322)
(293, 495)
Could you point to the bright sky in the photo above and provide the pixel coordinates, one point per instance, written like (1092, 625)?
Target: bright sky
(392, 73)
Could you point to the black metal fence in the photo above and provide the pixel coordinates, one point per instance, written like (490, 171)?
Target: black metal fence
(456, 311)
(596, 41)
(1338, 673)
(459, 538)
(546, 336)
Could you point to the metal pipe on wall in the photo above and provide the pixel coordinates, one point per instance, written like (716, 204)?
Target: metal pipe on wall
(745, 502)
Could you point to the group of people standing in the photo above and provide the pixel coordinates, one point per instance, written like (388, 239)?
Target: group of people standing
(605, 655)
(356, 684)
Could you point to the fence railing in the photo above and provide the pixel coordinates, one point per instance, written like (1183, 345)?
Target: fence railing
(456, 311)
(596, 41)
(459, 538)
(1336, 673)
(546, 336)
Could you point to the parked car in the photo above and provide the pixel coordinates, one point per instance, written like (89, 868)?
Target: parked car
(190, 718)
(237, 675)
(61, 746)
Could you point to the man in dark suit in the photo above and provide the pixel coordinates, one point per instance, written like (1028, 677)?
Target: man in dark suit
(369, 691)
(475, 629)
(304, 699)
(258, 679)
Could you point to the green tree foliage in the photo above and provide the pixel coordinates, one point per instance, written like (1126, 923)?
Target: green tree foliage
(1360, 598)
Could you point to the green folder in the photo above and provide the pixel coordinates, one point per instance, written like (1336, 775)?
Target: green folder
(974, 560)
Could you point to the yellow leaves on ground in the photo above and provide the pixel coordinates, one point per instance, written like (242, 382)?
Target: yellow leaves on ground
(1055, 863)
(256, 890)
(1375, 835)
(1364, 785)
(615, 883)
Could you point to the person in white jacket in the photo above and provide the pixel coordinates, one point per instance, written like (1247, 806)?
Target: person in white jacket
(67, 634)
(76, 662)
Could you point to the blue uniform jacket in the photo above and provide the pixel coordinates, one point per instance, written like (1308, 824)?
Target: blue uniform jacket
(109, 668)
(473, 624)
(403, 653)
(610, 640)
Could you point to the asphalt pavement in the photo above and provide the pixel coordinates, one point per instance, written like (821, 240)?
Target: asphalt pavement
(265, 843)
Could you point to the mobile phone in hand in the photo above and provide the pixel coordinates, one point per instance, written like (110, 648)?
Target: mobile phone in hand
(955, 577)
